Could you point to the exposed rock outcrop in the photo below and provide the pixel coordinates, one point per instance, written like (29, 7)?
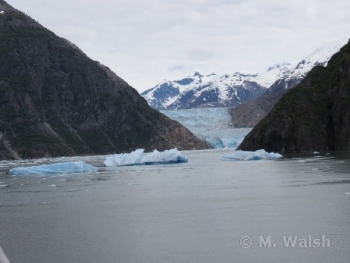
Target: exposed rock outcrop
(56, 101)
(249, 114)
(314, 116)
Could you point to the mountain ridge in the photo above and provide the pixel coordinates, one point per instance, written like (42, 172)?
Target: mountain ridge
(250, 95)
(56, 101)
(211, 90)
(247, 115)
(313, 116)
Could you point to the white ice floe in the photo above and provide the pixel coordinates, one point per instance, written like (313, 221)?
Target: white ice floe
(55, 168)
(251, 156)
(138, 157)
(3, 258)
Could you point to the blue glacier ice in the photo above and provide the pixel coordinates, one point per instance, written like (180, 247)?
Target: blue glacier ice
(138, 157)
(55, 168)
(211, 124)
(251, 156)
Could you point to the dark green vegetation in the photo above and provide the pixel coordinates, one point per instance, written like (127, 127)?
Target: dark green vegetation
(56, 101)
(314, 116)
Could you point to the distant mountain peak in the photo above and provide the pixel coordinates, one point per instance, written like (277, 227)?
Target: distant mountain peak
(315, 115)
(233, 89)
(284, 65)
(319, 56)
(197, 74)
(204, 91)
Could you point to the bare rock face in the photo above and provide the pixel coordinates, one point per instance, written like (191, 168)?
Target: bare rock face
(56, 101)
(314, 116)
(249, 114)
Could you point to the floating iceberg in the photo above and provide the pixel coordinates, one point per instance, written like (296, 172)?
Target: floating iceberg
(56, 168)
(138, 157)
(251, 156)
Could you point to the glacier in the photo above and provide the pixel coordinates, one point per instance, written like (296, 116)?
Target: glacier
(251, 156)
(211, 124)
(55, 168)
(139, 157)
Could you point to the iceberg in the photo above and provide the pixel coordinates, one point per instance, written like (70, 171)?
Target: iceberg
(138, 157)
(251, 156)
(55, 168)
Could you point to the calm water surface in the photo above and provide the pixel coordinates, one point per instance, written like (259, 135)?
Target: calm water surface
(193, 212)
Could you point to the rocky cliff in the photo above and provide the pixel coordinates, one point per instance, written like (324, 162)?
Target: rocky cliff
(314, 116)
(56, 101)
(249, 114)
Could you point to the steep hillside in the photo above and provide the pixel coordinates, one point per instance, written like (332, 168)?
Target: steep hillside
(314, 116)
(250, 113)
(56, 101)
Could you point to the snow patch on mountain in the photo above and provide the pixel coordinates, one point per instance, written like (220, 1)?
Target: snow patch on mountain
(231, 90)
(207, 91)
(320, 56)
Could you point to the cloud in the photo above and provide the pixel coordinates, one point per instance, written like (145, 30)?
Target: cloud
(176, 68)
(146, 41)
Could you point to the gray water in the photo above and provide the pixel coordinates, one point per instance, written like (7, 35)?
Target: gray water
(193, 212)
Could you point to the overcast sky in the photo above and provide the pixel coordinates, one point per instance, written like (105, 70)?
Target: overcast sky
(145, 42)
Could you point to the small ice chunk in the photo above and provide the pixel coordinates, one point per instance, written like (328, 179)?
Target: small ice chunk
(138, 157)
(56, 168)
(251, 156)
(3, 258)
(2, 12)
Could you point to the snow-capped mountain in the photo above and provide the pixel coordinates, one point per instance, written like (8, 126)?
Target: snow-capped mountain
(231, 90)
(212, 90)
(165, 93)
(320, 57)
(250, 113)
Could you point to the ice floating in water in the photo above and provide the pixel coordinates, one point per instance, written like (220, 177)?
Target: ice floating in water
(56, 168)
(138, 157)
(3, 258)
(250, 156)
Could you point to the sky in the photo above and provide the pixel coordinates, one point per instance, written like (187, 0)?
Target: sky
(145, 42)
